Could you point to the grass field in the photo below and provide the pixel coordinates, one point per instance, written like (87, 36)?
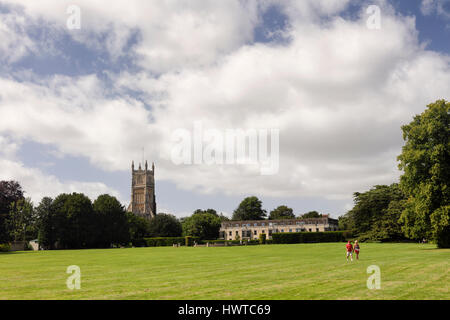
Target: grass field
(296, 271)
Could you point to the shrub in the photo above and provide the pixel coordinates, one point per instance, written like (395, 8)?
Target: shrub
(138, 243)
(5, 247)
(443, 240)
(262, 238)
(308, 237)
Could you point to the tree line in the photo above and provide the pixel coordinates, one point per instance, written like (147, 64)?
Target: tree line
(416, 208)
(70, 221)
(73, 221)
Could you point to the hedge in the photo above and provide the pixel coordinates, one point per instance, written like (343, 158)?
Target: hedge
(138, 243)
(189, 240)
(163, 241)
(308, 237)
(5, 247)
(221, 241)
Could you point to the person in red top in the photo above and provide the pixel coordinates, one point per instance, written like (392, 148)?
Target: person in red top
(349, 248)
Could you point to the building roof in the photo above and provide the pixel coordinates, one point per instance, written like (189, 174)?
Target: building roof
(323, 220)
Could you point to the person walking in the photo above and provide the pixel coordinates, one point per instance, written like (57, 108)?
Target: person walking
(357, 249)
(349, 248)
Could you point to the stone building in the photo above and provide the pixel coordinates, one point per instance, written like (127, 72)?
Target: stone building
(143, 199)
(251, 229)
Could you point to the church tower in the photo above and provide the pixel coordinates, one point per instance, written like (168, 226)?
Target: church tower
(143, 200)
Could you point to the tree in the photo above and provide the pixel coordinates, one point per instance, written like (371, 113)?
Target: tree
(46, 216)
(203, 225)
(281, 212)
(311, 214)
(388, 227)
(138, 226)
(22, 222)
(59, 221)
(212, 211)
(249, 209)
(74, 221)
(425, 161)
(223, 218)
(376, 213)
(10, 193)
(345, 223)
(81, 220)
(111, 221)
(165, 225)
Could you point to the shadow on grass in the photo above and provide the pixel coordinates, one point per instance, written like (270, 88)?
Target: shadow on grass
(15, 252)
(436, 249)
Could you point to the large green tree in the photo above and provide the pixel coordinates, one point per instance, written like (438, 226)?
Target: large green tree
(212, 211)
(388, 227)
(282, 212)
(203, 225)
(81, 221)
(376, 213)
(45, 212)
(59, 222)
(138, 227)
(111, 221)
(425, 161)
(311, 214)
(22, 222)
(10, 193)
(164, 225)
(74, 221)
(249, 209)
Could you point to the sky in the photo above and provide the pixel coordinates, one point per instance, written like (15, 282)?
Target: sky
(83, 95)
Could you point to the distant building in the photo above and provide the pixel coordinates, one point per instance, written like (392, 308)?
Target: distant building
(143, 199)
(251, 229)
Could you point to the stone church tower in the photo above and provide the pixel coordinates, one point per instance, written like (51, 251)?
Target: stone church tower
(143, 200)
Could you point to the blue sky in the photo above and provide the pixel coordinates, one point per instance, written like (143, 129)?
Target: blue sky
(79, 105)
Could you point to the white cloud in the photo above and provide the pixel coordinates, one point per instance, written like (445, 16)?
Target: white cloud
(172, 34)
(337, 91)
(37, 184)
(15, 43)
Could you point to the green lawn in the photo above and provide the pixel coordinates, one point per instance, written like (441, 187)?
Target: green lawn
(296, 271)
